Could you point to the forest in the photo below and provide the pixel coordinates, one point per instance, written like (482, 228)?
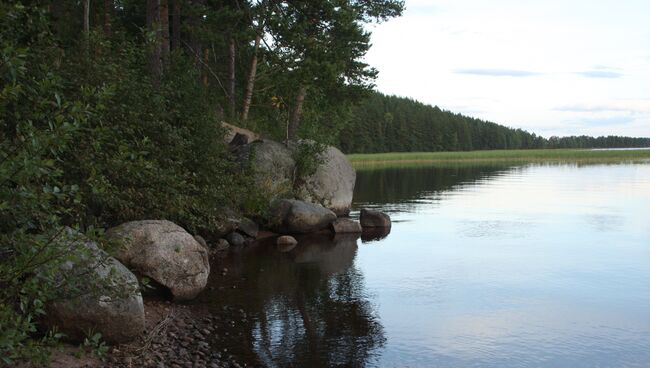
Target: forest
(384, 123)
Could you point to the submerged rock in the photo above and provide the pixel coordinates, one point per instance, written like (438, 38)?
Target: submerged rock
(371, 218)
(290, 216)
(106, 298)
(235, 239)
(346, 225)
(221, 245)
(166, 253)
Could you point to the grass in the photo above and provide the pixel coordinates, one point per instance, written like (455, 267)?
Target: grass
(543, 155)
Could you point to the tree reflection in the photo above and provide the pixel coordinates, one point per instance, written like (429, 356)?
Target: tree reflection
(306, 307)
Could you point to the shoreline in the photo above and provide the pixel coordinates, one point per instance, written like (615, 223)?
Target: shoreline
(361, 160)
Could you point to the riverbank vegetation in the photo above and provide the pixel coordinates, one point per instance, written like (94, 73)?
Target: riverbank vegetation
(514, 156)
(384, 123)
(110, 110)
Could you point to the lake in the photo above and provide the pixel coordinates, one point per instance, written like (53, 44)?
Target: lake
(538, 265)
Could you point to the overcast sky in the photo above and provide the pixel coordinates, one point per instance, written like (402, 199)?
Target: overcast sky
(554, 67)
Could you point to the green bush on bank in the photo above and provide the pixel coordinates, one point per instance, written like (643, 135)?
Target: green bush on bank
(88, 141)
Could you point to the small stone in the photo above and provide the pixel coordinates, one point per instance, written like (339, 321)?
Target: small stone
(221, 245)
(286, 240)
(236, 239)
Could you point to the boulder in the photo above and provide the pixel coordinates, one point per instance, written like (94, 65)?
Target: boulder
(247, 227)
(221, 245)
(201, 241)
(290, 216)
(346, 225)
(332, 185)
(235, 239)
(371, 234)
(272, 166)
(371, 218)
(106, 297)
(166, 253)
(234, 131)
(286, 240)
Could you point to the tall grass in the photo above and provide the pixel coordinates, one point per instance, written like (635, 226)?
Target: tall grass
(569, 155)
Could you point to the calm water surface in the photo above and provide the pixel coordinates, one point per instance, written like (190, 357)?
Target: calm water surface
(485, 266)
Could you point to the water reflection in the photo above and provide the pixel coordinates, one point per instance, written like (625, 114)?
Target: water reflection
(306, 307)
(542, 265)
(404, 185)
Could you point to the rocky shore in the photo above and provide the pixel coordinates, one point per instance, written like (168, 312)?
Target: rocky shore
(167, 329)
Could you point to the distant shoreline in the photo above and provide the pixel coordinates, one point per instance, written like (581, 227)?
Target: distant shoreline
(534, 155)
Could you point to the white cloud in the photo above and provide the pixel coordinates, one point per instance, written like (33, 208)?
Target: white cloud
(579, 59)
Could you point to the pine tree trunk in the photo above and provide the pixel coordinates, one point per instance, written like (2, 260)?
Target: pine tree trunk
(176, 25)
(206, 60)
(108, 10)
(153, 24)
(164, 31)
(248, 96)
(296, 114)
(231, 79)
(86, 4)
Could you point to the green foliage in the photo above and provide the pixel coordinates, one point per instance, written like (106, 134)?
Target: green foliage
(86, 140)
(94, 345)
(308, 157)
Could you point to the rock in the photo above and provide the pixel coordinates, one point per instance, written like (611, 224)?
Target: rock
(106, 298)
(232, 131)
(290, 216)
(346, 225)
(166, 253)
(371, 218)
(272, 167)
(201, 241)
(371, 234)
(222, 244)
(286, 240)
(332, 185)
(238, 140)
(235, 239)
(247, 227)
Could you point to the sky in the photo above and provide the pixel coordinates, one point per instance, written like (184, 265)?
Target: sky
(553, 67)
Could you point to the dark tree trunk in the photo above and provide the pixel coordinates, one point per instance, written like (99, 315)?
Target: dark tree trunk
(153, 25)
(86, 4)
(231, 79)
(248, 96)
(176, 25)
(296, 114)
(108, 12)
(206, 60)
(164, 31)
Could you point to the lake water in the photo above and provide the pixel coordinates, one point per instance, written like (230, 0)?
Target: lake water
(541, 265)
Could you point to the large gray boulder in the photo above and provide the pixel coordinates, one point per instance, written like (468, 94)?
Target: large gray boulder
(272, 166)
(332, 185)
(290, 216)
(105, 298)
(274, 169)
(166, 253)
